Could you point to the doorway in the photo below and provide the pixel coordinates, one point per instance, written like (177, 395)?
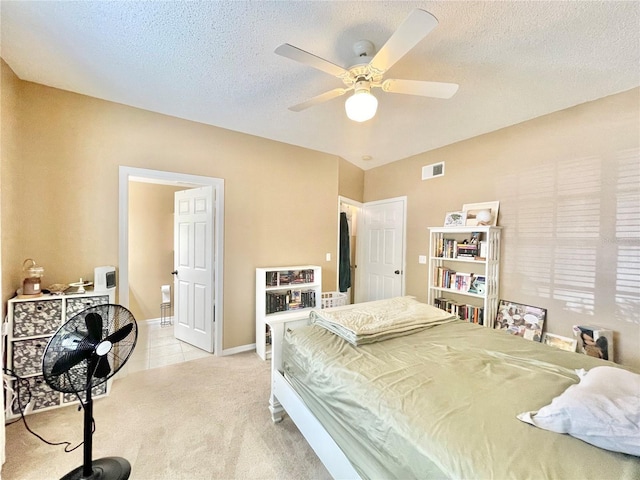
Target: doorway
(185, 181)
(348, 213)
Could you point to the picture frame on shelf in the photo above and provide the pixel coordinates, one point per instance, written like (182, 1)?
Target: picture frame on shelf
(558, 341)
(485, 213)
(455, 219)
(478, 284)
(522, 320)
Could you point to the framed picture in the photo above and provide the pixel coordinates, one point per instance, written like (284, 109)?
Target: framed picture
(455, 219)
(481, 213)
(522, 320)
(558, 341)
(594, 341)
(478, 284)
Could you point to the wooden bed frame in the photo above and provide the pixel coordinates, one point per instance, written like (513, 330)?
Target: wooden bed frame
(284, 399)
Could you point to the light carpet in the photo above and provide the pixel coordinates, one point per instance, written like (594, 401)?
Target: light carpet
(202, 419)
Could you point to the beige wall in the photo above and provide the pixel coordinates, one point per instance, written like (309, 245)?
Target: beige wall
(150, 246)
(11, 175)
(569, 190)
(564, 182)
(350, 181)
(280, 200)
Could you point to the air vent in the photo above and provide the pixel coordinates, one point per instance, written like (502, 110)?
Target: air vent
(433, 171)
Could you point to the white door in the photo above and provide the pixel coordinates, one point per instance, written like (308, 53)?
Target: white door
(193, 275)
(381, 245)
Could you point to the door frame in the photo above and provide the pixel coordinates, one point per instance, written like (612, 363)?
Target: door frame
(358, 205)
(361, 248)
(127, 174)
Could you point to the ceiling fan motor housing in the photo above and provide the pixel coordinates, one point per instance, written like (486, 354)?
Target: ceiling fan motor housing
(362, 84)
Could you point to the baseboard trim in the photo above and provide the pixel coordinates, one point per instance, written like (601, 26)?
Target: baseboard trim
(240, 349)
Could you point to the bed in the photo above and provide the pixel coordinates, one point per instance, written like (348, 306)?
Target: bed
(442, 398)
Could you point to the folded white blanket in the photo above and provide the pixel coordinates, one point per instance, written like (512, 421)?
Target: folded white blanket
(375, 321)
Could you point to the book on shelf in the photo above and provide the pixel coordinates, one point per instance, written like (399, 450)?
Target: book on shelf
(467, 250)
(482, 251)
(446, 248)
(472, 314)
(288, 277)
(462, 281)
(303, 276)
(267, 335)
(282, 301)
(285, 278)
(271, 279)
(464, 311)
(447, 278)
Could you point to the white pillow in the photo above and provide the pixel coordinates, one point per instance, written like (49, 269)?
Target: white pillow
(603, 410)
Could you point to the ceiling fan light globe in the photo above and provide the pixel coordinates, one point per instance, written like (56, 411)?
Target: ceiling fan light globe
(361, 106)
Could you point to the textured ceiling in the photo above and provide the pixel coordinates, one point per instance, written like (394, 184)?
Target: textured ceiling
(214, 62)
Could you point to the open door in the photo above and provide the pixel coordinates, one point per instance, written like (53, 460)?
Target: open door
(193, 274)
(381, 250)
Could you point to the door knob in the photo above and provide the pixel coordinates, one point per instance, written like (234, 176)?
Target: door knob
(175, 272)
(397, 272)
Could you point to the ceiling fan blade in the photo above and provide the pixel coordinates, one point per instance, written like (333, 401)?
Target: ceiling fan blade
(424, 89)
(94, 326)
(294, 53)
(331, 94)
(69, 360)
(120, 334)
(417, 26)
(103, 368)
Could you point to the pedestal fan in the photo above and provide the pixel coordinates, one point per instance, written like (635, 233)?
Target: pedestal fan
(85, 352)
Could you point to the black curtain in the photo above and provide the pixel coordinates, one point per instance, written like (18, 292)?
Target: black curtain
(345, 254)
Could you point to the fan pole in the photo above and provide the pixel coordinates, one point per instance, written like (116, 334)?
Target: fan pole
(87, 469)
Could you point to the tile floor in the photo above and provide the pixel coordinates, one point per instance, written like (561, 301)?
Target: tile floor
(157, 347)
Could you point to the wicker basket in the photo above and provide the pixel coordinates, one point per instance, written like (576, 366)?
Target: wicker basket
(333, 299)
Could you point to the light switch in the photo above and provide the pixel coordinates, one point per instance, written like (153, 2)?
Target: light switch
(422, 259)
(328, 257)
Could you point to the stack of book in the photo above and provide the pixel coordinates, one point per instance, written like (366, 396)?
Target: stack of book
(467, 250)
(284, 300)
(464, 311)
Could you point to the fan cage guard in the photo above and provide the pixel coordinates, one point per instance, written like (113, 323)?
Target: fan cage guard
(73, 334)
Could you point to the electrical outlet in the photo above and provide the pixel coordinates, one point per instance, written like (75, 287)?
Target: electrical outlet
(328, 257)
(422, 259)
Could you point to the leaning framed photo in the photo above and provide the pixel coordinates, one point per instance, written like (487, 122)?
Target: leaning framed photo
(455, 219)
(523, 320)
(563, 343)
(481, 213)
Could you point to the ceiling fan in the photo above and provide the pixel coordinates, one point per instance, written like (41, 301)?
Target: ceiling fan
(368, 71)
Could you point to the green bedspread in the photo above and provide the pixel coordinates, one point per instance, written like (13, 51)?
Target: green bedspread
(442, 403)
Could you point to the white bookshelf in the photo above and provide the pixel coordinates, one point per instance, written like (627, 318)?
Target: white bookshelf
(446, 263)
(285, 293)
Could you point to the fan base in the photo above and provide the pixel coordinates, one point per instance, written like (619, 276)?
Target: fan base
(108, 468)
